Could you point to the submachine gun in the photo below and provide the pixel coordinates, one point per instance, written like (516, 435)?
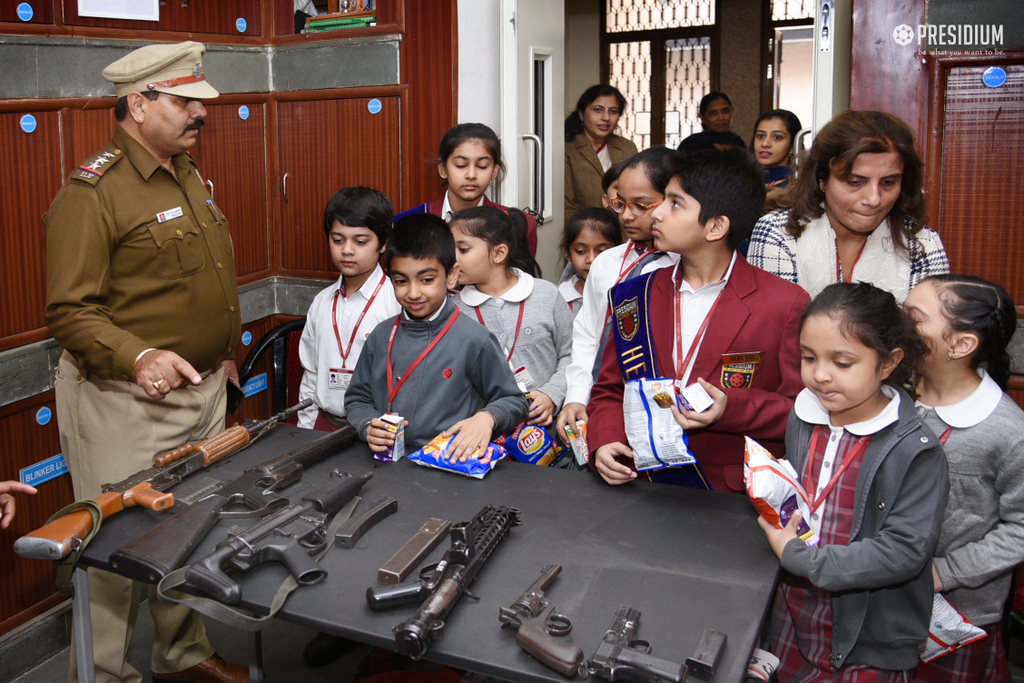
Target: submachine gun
(441, 586)
(59, 538)
(288, 536)
(164, 548)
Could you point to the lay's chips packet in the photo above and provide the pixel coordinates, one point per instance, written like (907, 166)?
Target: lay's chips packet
(436, 454)
(532, 445)
(774, 489)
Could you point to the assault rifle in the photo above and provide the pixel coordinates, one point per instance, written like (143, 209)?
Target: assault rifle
(288, 536)
(538, 626)
(59, 538)
(164, 548)
(440, 588)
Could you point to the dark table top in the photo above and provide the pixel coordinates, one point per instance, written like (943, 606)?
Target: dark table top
(687, 559)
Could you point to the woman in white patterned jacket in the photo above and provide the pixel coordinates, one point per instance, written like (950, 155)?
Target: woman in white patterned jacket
(855, 212)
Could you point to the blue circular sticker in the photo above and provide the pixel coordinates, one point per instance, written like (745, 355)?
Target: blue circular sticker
(994, 76)
(28, 123)
(25, 12)
(374, 106)
(243, 112)
(246, 338)
(240, 24)
(43, 416)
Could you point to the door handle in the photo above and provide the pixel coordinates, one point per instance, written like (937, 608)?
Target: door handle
(538, 211)
(284, 187)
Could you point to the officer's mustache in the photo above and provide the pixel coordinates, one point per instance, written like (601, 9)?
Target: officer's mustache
(195, 125)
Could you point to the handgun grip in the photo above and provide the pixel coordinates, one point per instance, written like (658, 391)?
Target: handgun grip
(386, 597)
(305, 570)
(144, 495)
(207, 576)
(554, 653)
(54, 541)
(628, 660)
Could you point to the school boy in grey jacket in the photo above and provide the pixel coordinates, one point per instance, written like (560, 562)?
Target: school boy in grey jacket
(439, 370)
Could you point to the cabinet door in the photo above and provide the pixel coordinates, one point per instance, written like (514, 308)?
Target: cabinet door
(86, 131)
(232, 160)
(202, 16)
(166, 22)
(32, 172)
(40, 11)
(256, 406)
(326, 145)
(24, 442)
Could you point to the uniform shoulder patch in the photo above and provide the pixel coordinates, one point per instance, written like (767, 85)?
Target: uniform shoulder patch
(92, 169)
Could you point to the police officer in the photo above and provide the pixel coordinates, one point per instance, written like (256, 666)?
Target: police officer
(141, 294)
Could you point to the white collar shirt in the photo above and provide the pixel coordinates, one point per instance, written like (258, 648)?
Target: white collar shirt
(694, 307)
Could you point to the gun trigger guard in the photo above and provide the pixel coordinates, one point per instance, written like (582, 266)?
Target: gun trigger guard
(641, 645)
(558, 625)
(427, 571)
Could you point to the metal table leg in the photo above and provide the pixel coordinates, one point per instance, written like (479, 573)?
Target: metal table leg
(81, 620)
(256, 656)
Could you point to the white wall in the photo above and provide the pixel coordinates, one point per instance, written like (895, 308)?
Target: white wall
(479, 99)
(582, 48)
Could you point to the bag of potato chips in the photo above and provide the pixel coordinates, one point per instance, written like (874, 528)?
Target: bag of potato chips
(435, 454)
(774, 489)
(654, 435)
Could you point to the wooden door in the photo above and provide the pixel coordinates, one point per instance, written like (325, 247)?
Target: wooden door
(325, 145)
(232, 159)
(32, 172)
(199, 16)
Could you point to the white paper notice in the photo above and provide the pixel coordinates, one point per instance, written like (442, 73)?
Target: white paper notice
(146, 10)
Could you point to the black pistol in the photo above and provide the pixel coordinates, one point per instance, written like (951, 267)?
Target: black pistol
(288, 536)
(623, 657)
(439, 589)
(539, 628)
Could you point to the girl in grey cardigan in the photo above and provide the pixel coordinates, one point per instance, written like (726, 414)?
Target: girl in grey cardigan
(855, 606)
(966, 323)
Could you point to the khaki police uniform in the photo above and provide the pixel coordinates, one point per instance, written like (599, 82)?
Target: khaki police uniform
(138, 258)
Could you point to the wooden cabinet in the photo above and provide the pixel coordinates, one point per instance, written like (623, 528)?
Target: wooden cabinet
(32, 172)
(231, 155)
(41, 11)
(325, 145)
(257, 406)
(192, 16)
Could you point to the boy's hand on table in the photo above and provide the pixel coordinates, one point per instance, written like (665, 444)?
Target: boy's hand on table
(689, 419)
(607, 465)
(778, 538)
(542, 409)
(471, 434)
(378, 437)
(571, 413)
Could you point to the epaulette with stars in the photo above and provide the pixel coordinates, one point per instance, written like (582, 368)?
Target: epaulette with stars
(92, 169)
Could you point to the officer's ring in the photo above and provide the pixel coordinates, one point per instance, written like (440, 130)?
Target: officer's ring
(156, 384)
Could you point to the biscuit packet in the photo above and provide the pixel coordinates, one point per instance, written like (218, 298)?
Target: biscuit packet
(435, 454)
(654, 435)
(774, 489)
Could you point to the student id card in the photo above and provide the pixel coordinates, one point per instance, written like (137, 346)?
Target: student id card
(339, 378)
(523, 377)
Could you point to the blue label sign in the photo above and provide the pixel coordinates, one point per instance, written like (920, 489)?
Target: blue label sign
(246, 338)
(43, 416)
(994, 76)
(240, 25)
(374, 106)
(25, 12)
(243, 112)
(255, 385)
(48, 469)
(28, 123)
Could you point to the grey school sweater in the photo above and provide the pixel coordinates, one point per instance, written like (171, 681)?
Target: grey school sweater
(982, 537)
(464, 374)
(544, 344)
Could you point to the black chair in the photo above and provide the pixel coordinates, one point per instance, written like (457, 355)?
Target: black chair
(285, 370)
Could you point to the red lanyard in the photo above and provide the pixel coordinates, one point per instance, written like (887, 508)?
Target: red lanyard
(945, 436)
(839, 263)
(623, 270)
(392, 388)
(519, 325)
(334, 319)
(684, 363)
(854, 453)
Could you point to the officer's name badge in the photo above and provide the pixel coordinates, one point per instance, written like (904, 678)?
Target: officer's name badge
(167, 215)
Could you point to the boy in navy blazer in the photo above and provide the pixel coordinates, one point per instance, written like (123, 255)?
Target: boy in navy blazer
(713, 319)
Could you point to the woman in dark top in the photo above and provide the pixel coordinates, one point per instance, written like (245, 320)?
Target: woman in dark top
(715, 117)
(773, 143)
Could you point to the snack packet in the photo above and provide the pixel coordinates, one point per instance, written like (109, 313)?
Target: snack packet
(654, 435)
(578, 442)
(948, 630)
(774, 489)
(395, 425)
(532, 445)
(435, 454)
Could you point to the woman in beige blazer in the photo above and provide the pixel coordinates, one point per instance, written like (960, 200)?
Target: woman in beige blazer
(591, 146)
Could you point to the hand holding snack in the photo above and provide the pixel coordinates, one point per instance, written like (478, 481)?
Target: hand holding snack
(608, 466)
(570, 415)
(473, 433)
(542, 409)
(778, 538)
(379, 436)
(690, 420)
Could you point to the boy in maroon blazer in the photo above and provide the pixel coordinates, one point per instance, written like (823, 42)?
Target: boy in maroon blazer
(713, 319)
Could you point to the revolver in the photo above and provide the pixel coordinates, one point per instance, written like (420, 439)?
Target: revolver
(623, 657)
(538, 626)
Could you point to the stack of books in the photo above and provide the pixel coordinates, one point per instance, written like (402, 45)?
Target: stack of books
(340, 20)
